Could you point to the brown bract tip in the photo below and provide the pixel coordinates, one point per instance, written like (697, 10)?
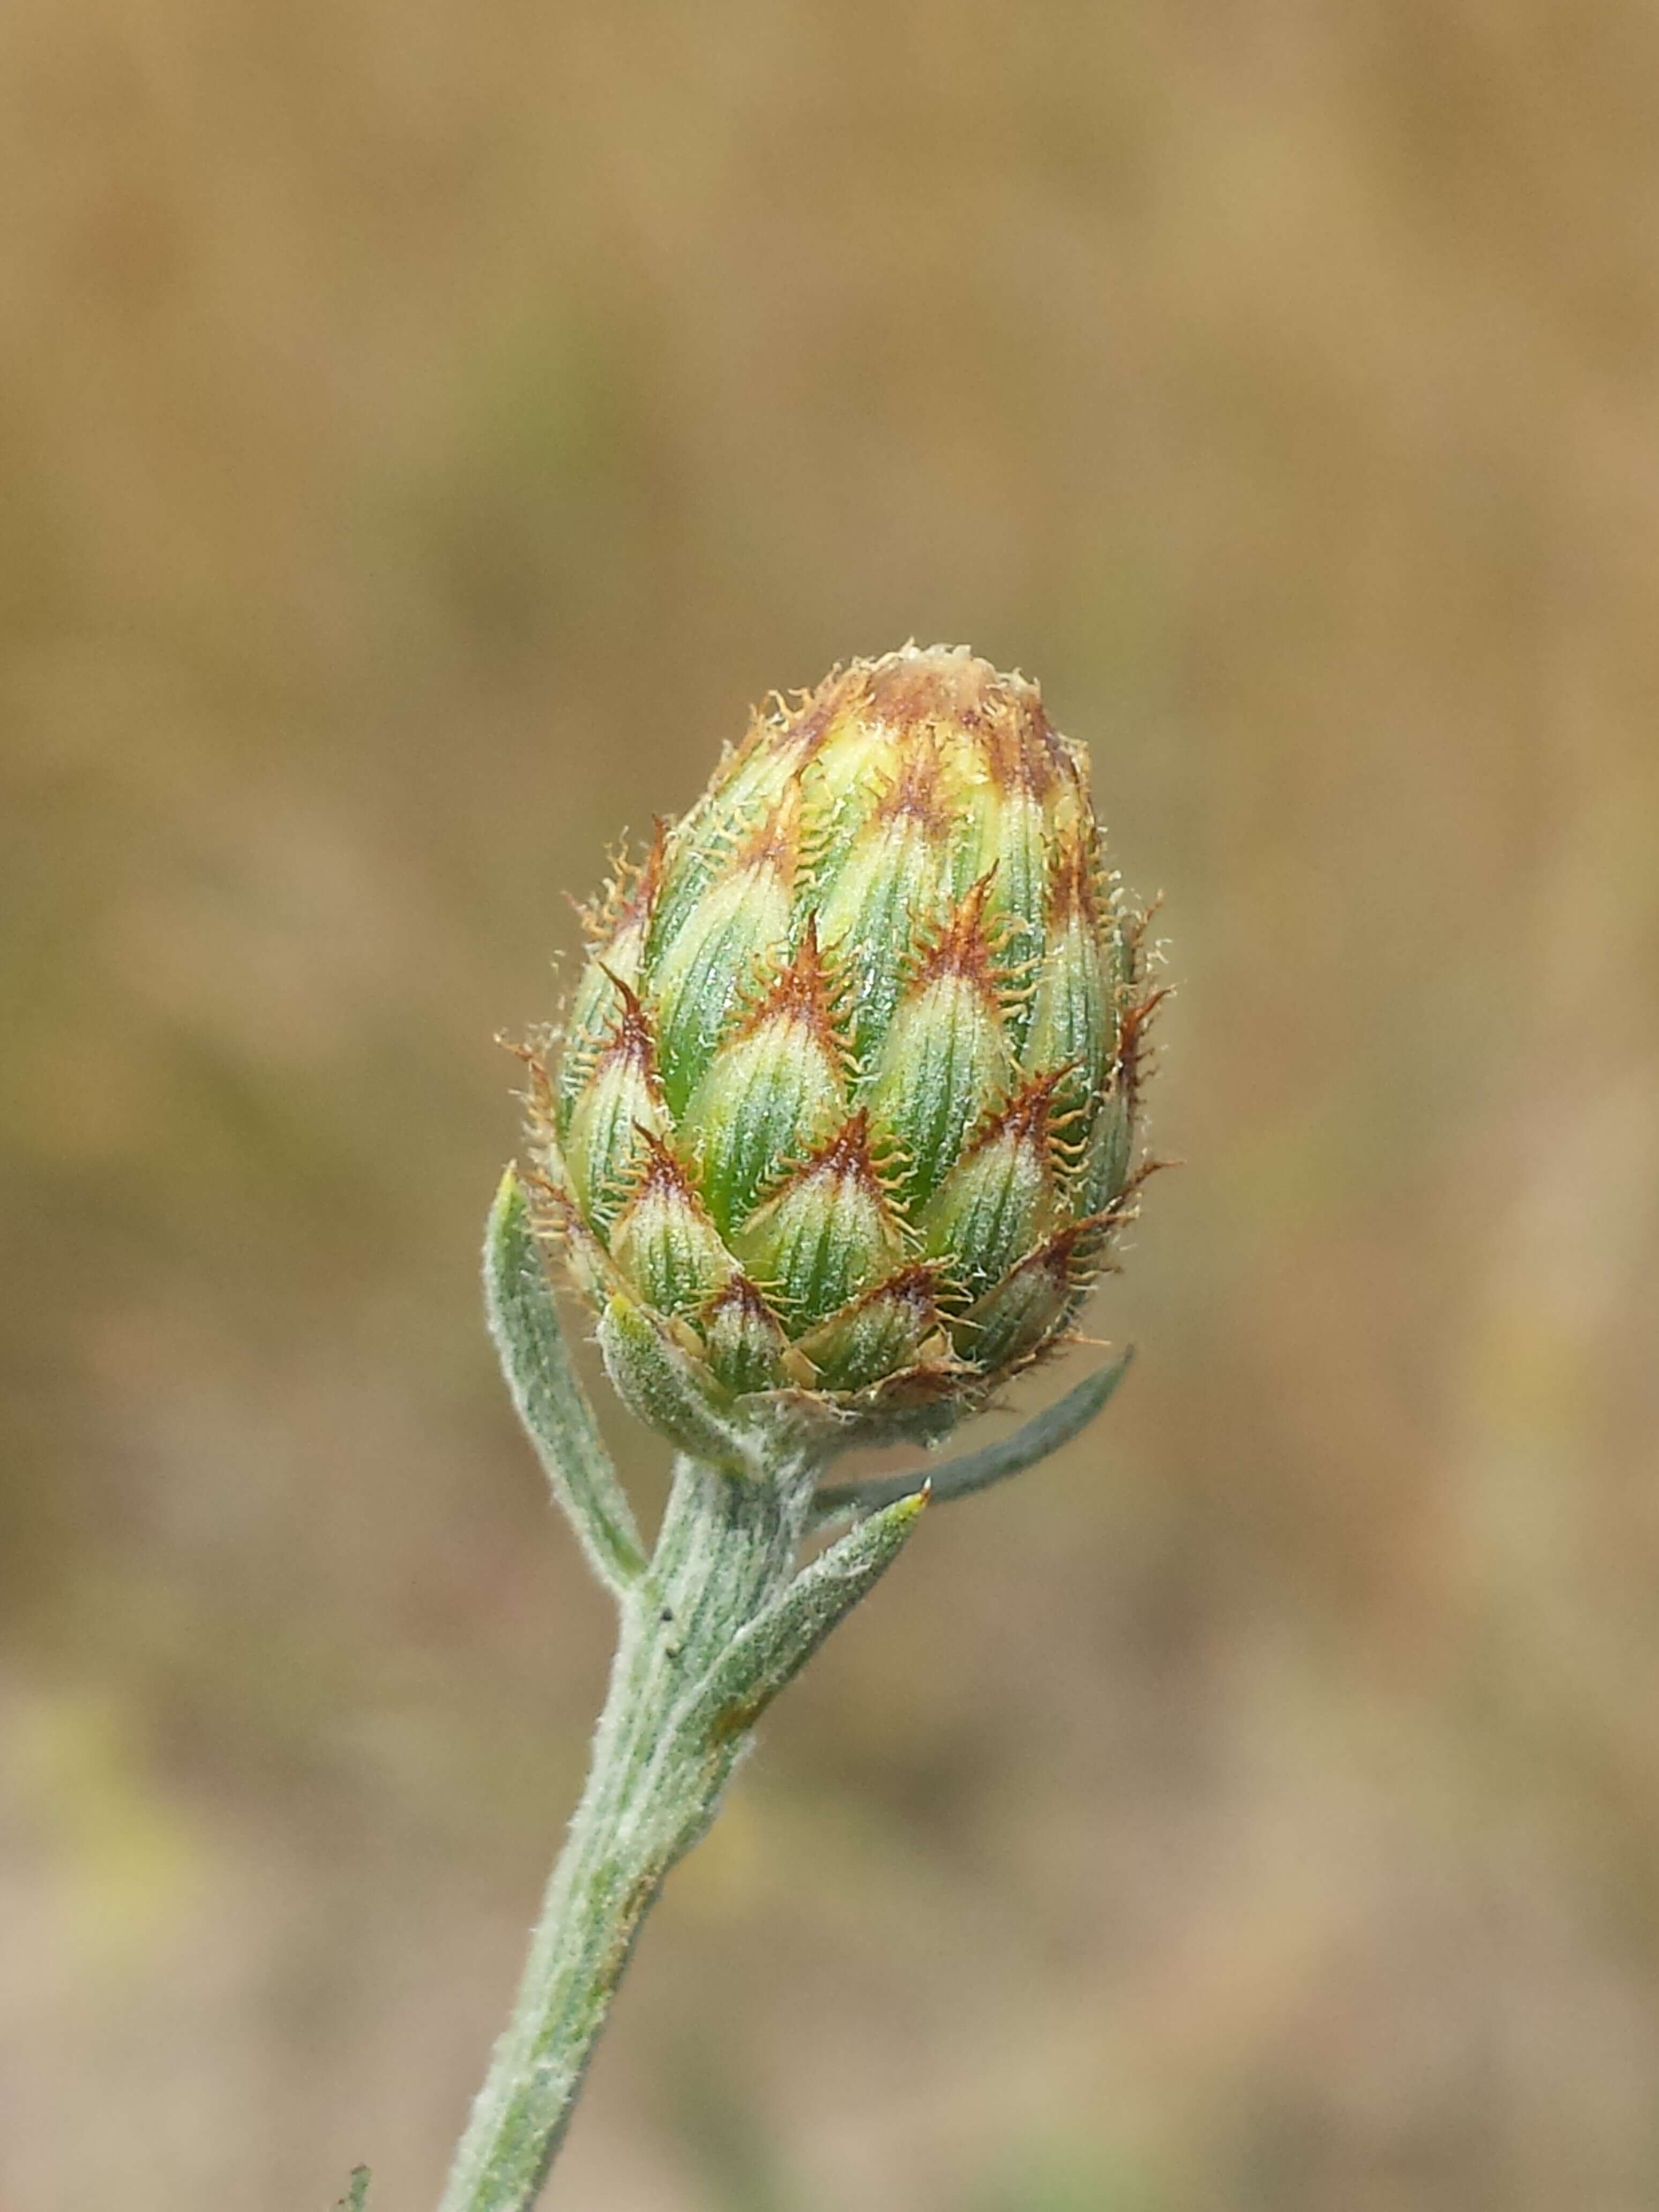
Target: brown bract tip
(846, 1157)
(797, 732)
(738, 1296)
(1027, 1115)
(1130, 1069)
(661, 1175)
(738, 1312)
(802, 991)
(552, 1208)
(927, 1383)
(630, 894)
(1074, 882)
(915, 795)
(914, 1288)
(963, 946)
(1067, 1259)
(631, 1036)
(774, 844)
(1022, 748)
(1076, 1255)
(555, 1216)
(538, 1096)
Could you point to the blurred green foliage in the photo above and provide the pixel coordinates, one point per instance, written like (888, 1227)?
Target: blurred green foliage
(424, 429)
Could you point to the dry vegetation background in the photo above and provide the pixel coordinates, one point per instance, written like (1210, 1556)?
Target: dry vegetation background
(425, 428)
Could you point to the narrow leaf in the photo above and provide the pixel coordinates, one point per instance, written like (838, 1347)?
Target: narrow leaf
(356, 2190)
(1043, 1433)
(772, 1651)
(551, 1401)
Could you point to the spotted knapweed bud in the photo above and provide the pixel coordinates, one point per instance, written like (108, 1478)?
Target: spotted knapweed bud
(842, 1115)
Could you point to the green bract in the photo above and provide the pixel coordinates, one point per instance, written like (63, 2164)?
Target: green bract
(843, 1113)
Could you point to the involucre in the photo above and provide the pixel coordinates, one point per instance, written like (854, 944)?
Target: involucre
(843, 1113)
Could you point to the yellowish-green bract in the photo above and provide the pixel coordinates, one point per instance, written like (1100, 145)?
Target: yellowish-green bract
(843, 1112)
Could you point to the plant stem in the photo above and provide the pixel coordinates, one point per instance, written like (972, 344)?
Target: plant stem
(662, 1756)
(716, 1623)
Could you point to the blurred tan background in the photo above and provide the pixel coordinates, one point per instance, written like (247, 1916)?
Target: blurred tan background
(425, 428)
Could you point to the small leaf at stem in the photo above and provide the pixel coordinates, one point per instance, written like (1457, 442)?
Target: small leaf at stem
(771, 1651)
(356, 2191)
(1043, 1433)
(551, 1402)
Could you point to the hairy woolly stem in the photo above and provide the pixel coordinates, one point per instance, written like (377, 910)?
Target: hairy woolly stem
(661, 1760)
(716, 1627)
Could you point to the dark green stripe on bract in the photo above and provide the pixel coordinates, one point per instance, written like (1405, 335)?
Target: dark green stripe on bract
(826, 1235)
(665, 1244)
(593, 1011)
(1069, 1015)
(766, 1101)
(1021, 1312)
(1108, 1157)
(744, 1343)
(1012, 854)
(876, 1334)
(991, 1210)
(606, 1140)
(890, 894)
(943, 1065)
(698, 984)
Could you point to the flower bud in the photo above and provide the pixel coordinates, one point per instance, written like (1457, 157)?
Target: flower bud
(845, 1107)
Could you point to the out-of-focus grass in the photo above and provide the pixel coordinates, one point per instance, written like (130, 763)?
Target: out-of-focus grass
(423, 431)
